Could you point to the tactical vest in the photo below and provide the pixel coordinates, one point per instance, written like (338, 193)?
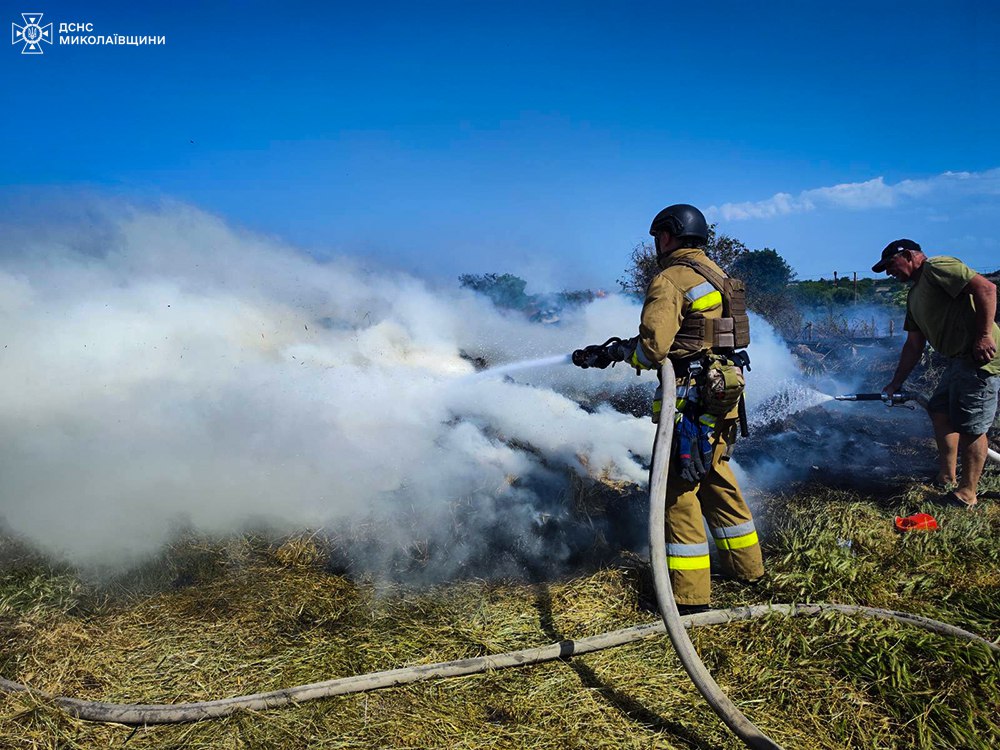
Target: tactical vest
(731, 331)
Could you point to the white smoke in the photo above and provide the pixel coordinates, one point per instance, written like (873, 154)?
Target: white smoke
(772, 367)
(161, 368)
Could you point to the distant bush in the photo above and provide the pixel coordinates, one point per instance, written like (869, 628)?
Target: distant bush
(765, 272)
(831, 294)
(643, 266)
(507, 292)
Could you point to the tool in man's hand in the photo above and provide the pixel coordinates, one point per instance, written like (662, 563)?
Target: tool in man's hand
(600, 355)
(898, 399)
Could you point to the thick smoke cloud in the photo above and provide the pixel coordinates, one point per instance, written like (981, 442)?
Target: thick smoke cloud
(161, 368)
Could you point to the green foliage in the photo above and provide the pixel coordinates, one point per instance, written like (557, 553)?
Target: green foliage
(506, 290)
(767, 275)
(842, 296)
(643, 265)
(724, 250)
(829, 294)
(641, 270)
(763, 271)
(577, 297)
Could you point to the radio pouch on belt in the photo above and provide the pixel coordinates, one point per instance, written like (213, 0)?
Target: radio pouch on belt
(721, 385)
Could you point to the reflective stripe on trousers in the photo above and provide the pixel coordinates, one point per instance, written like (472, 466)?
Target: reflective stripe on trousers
(688, 556)
(739, 536)
(718, 498)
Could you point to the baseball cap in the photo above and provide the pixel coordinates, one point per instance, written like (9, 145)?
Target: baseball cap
(895, 248)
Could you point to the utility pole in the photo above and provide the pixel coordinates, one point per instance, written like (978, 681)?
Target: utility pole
(855, 287)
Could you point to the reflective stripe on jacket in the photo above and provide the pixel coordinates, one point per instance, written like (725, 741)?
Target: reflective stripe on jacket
(674, 293)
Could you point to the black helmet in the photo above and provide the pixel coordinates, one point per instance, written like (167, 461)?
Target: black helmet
(681, 220)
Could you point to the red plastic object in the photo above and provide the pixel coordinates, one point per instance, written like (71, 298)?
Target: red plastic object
(916, 522)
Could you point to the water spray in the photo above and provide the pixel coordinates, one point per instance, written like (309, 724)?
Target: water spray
(792, 398)
(527, 364)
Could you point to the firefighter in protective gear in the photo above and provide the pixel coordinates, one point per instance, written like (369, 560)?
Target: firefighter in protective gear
(695, 315)
(682, 306)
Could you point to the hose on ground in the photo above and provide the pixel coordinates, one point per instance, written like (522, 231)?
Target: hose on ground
(179, 713)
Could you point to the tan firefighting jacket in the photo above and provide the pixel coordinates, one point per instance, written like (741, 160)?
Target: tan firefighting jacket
(675, 293)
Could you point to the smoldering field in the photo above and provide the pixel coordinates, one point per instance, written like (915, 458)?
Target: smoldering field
(170, 383)
(163, 372)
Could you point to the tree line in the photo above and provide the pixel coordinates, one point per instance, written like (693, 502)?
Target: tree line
(773, 290)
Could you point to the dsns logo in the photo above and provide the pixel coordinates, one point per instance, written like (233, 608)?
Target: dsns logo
(32, 34)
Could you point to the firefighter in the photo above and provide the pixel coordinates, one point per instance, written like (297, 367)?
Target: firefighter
(695, 315)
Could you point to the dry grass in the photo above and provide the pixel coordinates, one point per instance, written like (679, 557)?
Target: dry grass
(215, 618)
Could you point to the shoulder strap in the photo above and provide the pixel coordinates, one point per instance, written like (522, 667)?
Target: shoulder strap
(703, 270)
(732, 330)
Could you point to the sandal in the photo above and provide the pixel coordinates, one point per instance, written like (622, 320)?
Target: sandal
(954, 501)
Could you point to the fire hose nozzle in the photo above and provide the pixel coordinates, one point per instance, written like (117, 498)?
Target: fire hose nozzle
(599, 355)
(897, 399)
(582, 357)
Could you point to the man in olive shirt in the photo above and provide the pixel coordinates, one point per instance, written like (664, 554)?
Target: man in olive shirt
(952, 307)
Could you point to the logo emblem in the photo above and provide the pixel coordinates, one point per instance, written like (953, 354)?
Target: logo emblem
(32, 34)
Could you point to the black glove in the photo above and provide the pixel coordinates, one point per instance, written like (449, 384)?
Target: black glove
(600, 355)
(619, 351)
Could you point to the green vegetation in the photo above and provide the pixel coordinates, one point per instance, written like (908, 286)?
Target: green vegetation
(641, 270)
(215, 618)
(773, 292)
(642, 267)
(772, 289)
(767, 276)
(507, 292)
(765, 272)
(843, 292)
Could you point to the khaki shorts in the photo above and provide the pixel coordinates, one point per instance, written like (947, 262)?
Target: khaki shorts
(968, 395)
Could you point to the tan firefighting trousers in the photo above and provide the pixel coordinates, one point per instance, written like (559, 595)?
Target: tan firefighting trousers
(719, 499)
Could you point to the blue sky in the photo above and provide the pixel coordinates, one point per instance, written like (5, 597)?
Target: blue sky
(537, 138)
